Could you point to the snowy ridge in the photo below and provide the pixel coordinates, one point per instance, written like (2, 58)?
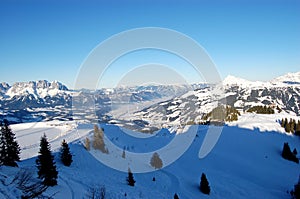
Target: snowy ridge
(39, 89)
(289, 78)
(231, 81)
(155, 104)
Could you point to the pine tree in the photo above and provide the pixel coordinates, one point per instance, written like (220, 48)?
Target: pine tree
(123, 154)
(285, 122)
(176, 196)
(297, 132)
(9, 148)
(287, 153)
(292, 124)
(155, 161)
(295, 152)
(286, 150)
(65, 156)
(288, 127)
(282, 123)
(204, 185)
(130, 180)
(45, 164)
(3, 148)
(296, 192)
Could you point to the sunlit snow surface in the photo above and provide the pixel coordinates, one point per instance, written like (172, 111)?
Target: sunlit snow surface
(245, 163)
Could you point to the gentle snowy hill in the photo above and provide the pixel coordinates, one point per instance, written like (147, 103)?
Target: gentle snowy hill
(243, 164)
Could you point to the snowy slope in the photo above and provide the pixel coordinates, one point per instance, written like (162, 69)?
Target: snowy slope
(244, 163)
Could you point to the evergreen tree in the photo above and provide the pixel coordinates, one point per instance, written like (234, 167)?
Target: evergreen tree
(288, 127)
(296, 192)
(155, 161)
(66, 156)
(292, 124)
(295, 152)
(9, 148)
(130, 180)
(3, 148)
(204, 185)
(287, 153)
(123, 154)
(45, 164)
(283, 123)
(297, 132)
(176, 196)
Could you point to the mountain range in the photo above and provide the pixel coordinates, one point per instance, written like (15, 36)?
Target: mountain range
(155, 105)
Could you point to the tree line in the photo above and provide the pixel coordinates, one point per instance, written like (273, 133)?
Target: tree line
(261, 110)
(290, 126)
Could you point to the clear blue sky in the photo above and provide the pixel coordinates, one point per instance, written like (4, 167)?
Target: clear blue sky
(257, 40)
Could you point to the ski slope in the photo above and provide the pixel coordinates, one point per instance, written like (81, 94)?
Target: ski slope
(245, 163)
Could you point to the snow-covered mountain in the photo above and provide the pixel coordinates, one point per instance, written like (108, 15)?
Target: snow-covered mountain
(43, 100)
(290, 78)
(38, 89)
(33, 94)
(236, 92)
(158, 104)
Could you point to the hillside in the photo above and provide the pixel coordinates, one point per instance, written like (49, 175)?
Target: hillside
(243, 164)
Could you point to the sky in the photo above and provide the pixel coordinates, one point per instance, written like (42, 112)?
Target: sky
(255, 40)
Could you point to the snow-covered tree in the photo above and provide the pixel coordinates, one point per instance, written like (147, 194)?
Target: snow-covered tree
(65, 155)
(155, 161)
(45, 163)
(9, 147)
(204, 185)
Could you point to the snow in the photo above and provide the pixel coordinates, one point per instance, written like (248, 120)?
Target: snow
(245, 162)
(288, 78)
(235, 81)
(29, 134)
(39, 89)
(263, 122)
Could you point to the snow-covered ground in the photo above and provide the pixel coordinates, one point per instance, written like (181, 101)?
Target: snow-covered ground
(246, 162)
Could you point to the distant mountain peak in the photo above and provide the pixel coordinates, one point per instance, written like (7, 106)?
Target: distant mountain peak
(39, 88)
(289, 78)
(230, 80)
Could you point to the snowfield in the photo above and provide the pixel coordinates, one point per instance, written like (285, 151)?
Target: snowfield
(246, 162)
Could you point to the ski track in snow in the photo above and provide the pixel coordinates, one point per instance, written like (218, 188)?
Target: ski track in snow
(175, 182)
(32, 132)
(69, 187)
